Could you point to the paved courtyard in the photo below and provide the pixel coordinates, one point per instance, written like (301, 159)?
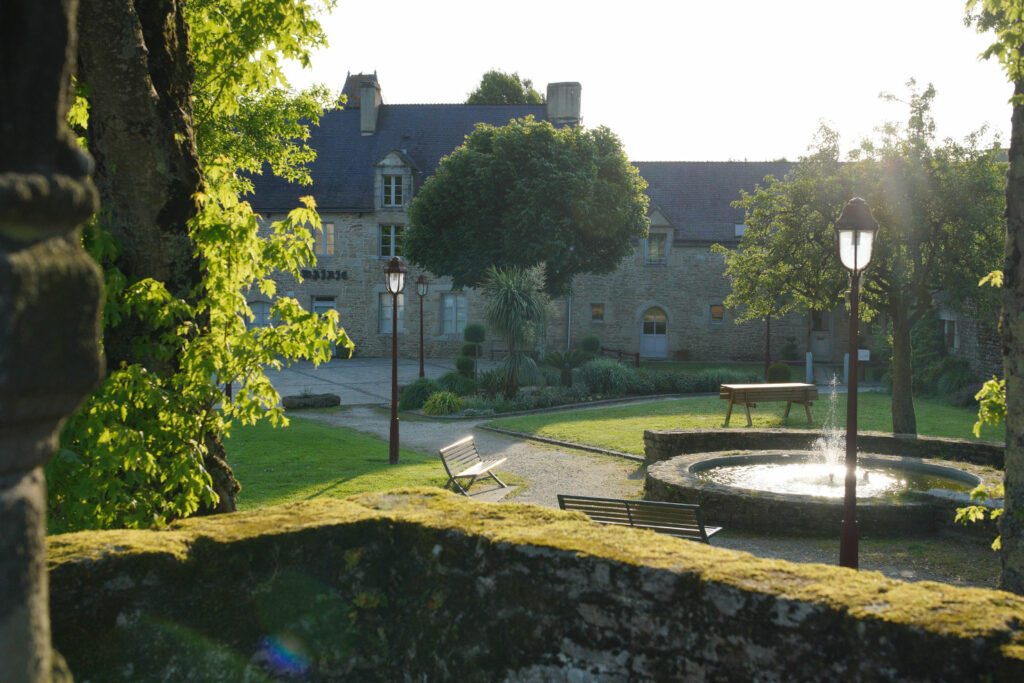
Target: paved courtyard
(358, 381)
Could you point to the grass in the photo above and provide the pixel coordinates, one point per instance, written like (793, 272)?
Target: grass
(309, 460)
(621, 428)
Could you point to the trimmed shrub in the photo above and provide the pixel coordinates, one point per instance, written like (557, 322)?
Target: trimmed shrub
(442, 403)
(465, 365)
(457, 383)
(416, 394)
(777, 373)
(590, 343)
(607, 377)
(469, 350)
(954, 375)
(475, 333)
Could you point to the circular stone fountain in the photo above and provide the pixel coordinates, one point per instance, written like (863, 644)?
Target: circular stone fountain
(796, 490)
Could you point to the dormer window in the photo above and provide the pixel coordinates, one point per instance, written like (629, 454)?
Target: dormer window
(392, 191)
(654, 253)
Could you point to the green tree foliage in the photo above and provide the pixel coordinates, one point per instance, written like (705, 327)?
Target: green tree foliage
(514, 309)
(137, 452)
(528, 194)
(498, 87)
(244, 109)
(939, 209)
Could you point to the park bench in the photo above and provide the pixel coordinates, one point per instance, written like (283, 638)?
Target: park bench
(461, 461)
(752, 394)
(675, 519)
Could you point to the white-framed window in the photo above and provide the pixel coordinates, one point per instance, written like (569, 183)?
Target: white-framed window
(391, 240)
(385, 309)
(391, 192)
(717, 312)
(322, 304)
(260, 314)
(597, 313)
(453, 313)
(654, 252)
(324, 240)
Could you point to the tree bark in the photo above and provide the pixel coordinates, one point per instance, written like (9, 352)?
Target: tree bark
(1011, 523)
(904, 420)
(767, 343)
(134, 58)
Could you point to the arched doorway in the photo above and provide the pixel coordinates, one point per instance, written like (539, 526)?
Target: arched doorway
(654, 334)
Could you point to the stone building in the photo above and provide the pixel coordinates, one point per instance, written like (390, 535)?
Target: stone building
(664, 301)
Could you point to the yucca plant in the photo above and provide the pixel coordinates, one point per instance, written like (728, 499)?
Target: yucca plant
(516, 304)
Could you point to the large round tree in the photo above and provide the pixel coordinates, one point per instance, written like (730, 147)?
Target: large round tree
(529, 194)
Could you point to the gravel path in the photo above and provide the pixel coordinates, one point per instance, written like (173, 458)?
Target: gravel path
(546, 471)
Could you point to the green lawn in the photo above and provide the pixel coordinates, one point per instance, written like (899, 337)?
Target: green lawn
(309, 460)
(621, 428)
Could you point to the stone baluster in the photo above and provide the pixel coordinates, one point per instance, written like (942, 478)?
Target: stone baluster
(49, 308)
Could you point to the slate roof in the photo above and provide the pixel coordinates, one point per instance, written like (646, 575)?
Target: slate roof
(696, 196)
(343, 171)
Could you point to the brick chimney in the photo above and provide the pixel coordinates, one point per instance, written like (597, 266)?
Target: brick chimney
(564, 103)
(363, 93)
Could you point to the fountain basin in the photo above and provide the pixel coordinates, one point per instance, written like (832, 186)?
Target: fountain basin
(685, 479)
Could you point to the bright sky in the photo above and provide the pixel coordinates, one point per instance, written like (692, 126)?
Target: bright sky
(683, 80)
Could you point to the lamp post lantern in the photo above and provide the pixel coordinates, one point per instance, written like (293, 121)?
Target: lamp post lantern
(395, 281)
(422, 287)
(855, 237)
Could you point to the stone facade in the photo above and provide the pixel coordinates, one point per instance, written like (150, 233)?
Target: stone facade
(664, 301)
(427, 585)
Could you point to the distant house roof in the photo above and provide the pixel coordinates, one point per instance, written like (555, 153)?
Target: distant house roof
(696, 196)
(343, 171)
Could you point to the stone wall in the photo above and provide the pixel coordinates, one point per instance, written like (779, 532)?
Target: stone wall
(665, 444)
(422, 584)
(685, 287)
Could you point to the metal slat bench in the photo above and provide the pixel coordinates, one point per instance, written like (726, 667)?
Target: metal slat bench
(461, 461)
(675, 519)
(752, 394)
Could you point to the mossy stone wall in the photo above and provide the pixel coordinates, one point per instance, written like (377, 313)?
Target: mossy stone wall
(422, 584)
(664, 444)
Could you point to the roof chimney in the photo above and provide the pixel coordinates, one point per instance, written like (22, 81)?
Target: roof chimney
(369, 105)
(564, 103)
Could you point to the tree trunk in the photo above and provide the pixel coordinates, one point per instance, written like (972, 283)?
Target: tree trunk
(767, 343)
(134, 58)
(1011, 524)
(904, 421)
(135, 62)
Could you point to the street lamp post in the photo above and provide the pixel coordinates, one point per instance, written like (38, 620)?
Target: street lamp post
(395, 282)
(422, 287)
(855, 236)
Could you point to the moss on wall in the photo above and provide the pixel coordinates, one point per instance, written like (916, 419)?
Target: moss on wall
(422, 583)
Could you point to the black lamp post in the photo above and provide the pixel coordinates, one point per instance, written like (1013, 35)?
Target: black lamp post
(395, 281)
(855, 236)
(422, 287)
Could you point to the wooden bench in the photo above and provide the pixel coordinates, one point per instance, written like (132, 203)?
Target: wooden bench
(461, 461)
(675, 519)
(752, 394)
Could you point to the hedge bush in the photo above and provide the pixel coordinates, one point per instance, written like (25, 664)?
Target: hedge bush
(590, 343)
(778, 373)
(415, 395)
(457, 383)
(442, 403)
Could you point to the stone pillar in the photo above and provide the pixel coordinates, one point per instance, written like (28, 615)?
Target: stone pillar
(49, 308)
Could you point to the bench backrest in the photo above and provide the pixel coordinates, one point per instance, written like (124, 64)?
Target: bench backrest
(460, 455)
(675, 519)
(770, 393)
